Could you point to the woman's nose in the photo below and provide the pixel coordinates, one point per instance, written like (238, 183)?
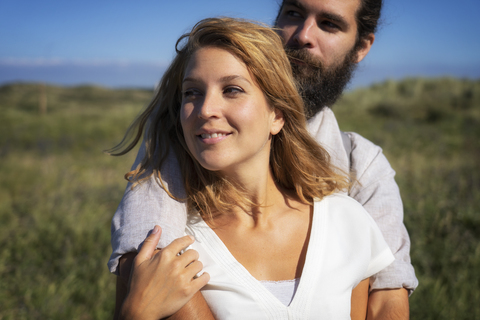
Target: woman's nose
(209, 107)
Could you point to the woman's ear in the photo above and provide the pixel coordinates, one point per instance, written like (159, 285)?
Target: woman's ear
(277, 123)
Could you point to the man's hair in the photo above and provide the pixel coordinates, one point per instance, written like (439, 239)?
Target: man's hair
(297, 162)
(367, 16)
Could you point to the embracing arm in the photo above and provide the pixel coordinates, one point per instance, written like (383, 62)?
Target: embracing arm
(147, 205)
(388, 304)
(358, 310)
(378, 192)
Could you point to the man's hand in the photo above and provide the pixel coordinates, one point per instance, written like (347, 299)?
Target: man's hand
(388, 304)
(162, 283)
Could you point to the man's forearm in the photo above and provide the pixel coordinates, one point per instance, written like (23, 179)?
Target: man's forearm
(195, 309)
(388, 304)
(124, 268)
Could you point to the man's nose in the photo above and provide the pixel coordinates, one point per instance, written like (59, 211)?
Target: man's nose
(304, 35)
(209, 107)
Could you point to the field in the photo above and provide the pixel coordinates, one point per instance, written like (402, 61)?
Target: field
(58, 190)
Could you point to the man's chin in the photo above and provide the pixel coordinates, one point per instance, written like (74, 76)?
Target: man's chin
(319, 85)
(321, 90)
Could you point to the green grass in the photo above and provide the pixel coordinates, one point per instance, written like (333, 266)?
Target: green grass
(58, 191)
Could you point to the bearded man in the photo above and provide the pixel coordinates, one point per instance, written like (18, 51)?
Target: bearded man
(325, 40)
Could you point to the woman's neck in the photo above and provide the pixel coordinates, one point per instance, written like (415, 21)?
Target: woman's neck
(266, 197)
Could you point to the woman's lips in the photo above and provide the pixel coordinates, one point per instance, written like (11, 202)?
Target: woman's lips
(214, 137)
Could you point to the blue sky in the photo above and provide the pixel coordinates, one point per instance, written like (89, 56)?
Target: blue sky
(127, 43)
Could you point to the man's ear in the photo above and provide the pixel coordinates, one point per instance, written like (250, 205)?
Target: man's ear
(367, 43)
(277, 123)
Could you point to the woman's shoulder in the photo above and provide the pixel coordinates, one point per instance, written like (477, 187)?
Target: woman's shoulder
(339, 200)
(341, 207)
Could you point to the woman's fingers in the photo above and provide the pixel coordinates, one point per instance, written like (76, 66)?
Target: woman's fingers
(194, 268)
(161, 283)
(148, 246)
(200, 281)
(177, 245)
(188, 257)
(170, 260)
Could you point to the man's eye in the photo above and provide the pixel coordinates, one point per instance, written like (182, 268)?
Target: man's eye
(330, 25)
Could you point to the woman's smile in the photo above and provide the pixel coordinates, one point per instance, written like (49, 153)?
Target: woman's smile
(213, 137)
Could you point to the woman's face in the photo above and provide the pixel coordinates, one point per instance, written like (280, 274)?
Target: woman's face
(225, 116)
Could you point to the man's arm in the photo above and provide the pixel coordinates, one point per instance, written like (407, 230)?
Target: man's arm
(378, 192)
(388, 304)
(195, 309)
(358, 310)
(124, 270)
(147, 205)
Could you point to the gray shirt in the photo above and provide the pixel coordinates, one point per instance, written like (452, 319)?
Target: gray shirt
(148, 204)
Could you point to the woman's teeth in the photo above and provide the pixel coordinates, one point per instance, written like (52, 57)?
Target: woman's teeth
(213, 135)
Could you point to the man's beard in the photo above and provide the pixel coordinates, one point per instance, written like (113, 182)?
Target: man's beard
(319, 86)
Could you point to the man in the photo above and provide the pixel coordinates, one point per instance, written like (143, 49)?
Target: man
(325, 40)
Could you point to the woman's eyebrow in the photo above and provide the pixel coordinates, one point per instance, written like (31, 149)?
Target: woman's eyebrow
(233, 77)
(189, 79)
(222, 79)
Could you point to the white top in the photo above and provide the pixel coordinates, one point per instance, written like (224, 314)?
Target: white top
(345, 247)
(282, 290)
(148, 204)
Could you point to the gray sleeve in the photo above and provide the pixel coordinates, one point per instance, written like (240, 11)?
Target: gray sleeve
(144, 206)
(378, 192)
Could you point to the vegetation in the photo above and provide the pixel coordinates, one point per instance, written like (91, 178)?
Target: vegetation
(429, 130)
(58, 190)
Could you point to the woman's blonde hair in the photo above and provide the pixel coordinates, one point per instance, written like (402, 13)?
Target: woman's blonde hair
(297, 162)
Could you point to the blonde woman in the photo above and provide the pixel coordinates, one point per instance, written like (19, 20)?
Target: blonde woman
(273, 229)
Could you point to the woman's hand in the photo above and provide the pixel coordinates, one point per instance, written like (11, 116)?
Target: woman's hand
(161, 283)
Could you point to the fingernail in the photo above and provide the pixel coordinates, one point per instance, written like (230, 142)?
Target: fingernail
(155, 230)
(191, 237)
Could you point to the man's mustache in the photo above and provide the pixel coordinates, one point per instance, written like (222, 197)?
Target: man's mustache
(303, 56)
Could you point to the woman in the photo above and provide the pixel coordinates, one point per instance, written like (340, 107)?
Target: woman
(273, 230)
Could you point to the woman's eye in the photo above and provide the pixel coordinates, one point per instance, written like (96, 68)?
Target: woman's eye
(232, 90)
(292, 13)
(189, 93)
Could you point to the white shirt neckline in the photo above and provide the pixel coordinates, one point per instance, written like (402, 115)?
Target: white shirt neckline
(301, 300)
